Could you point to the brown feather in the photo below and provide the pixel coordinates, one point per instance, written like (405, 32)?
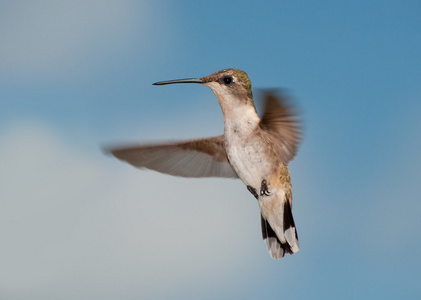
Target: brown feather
(195, 158)
(282, 124)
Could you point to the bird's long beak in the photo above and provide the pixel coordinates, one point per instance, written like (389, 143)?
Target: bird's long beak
(188, 80)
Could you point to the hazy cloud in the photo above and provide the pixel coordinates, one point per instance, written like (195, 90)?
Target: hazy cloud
(50, 36)
(79, 224)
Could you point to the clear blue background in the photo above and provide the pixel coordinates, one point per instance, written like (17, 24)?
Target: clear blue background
(77, 75)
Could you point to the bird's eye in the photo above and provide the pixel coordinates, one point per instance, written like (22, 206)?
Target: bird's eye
(227, 80)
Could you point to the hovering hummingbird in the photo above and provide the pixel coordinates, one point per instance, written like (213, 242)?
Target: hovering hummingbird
(255, 150)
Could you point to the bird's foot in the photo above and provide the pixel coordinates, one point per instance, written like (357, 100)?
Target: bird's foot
(264, 189)
(253, 191)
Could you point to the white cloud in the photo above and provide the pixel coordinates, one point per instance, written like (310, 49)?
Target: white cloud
(49, 37)
(86, 226)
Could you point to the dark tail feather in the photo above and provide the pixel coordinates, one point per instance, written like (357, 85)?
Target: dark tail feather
(276, 248)
(290, 231)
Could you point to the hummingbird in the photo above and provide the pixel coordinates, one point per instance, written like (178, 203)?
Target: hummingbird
(255, 150)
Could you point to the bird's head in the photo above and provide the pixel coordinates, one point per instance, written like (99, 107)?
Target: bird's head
(232, 87)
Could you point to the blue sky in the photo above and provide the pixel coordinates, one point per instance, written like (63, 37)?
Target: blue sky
(76, 75)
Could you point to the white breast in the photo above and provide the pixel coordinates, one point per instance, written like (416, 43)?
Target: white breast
(245, 154)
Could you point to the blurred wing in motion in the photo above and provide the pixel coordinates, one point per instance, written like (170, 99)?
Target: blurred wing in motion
(283, 124)
(196, 158)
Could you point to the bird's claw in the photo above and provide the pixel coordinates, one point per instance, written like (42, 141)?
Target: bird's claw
(264, 191)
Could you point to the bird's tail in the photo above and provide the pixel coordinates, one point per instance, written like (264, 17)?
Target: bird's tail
(283, 239)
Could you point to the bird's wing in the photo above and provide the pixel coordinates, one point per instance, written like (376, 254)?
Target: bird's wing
(282, 123)
(195, 158)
